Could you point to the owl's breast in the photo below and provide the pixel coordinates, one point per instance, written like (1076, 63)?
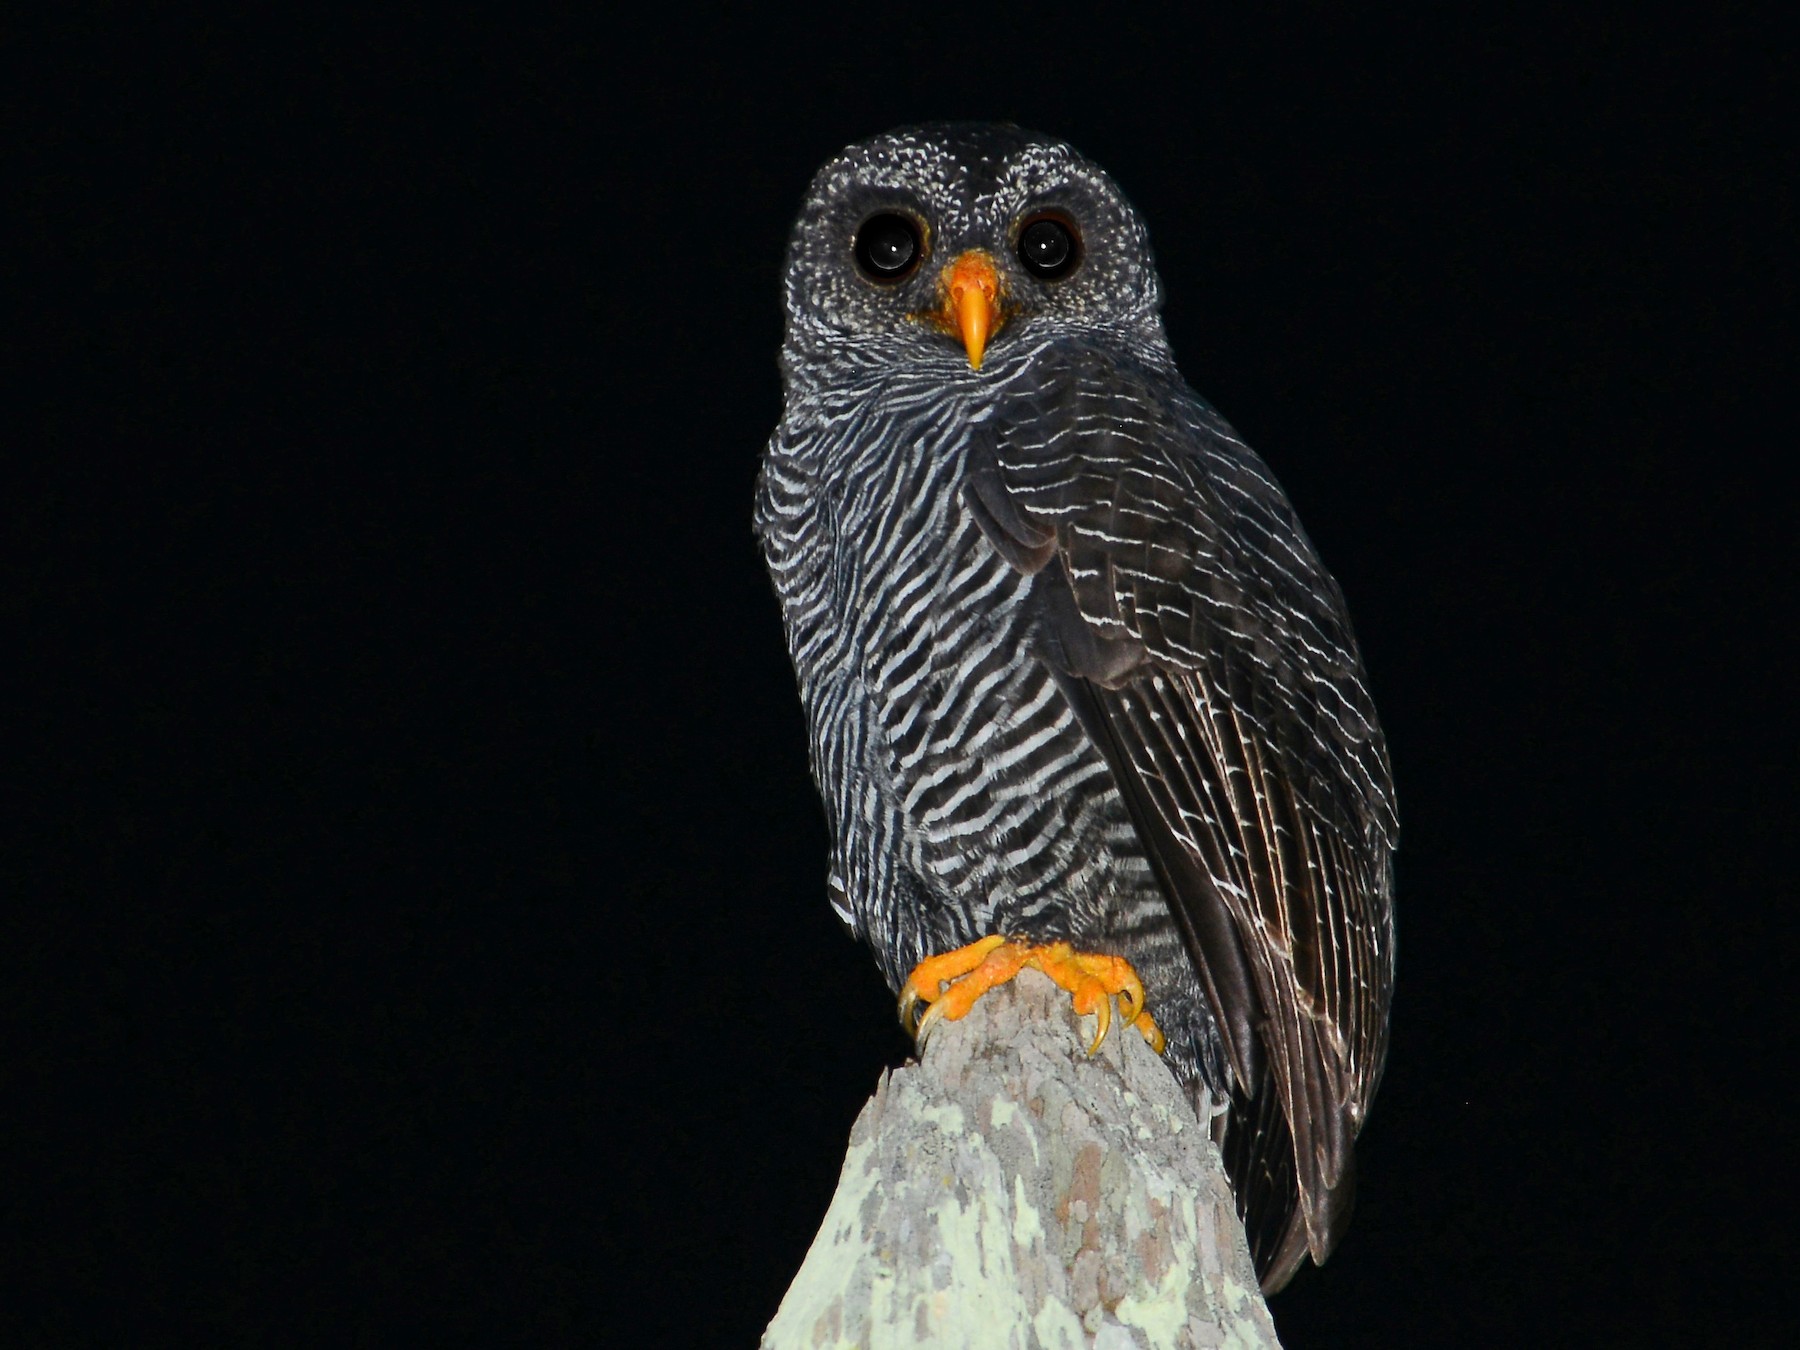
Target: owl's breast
(993, 780)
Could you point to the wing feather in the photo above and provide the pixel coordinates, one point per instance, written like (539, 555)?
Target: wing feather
(1208, 654)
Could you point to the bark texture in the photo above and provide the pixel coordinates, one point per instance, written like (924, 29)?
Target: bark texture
(1009, 1191)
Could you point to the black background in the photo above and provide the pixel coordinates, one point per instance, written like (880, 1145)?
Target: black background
(415, 924)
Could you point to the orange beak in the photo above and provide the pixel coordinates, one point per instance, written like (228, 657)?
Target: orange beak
(971, 289)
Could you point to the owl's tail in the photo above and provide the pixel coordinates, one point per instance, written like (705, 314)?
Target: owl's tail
(1258, 1151)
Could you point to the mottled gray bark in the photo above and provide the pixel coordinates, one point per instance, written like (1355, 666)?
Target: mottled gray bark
(1011, 1192)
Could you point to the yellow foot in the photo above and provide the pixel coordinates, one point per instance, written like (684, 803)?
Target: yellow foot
(1092, 979)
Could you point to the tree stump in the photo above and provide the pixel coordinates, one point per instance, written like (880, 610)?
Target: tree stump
(1009, 1191)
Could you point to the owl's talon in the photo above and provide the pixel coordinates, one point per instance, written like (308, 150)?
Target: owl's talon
(925, 986)
(943, 988)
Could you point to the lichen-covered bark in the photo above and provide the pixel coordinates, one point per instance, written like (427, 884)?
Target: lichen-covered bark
(1010, 1192)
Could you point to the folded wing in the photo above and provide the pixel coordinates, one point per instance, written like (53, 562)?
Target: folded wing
(1209, 655)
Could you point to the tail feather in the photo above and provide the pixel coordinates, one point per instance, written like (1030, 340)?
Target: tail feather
(1258, 1152)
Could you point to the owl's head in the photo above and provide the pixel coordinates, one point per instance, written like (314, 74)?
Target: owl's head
(962, 240)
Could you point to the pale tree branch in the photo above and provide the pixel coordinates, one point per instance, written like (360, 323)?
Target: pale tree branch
(1009, 1191)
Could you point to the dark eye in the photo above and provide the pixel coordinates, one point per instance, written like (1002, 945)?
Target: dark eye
(1048, 248)
(887, 247)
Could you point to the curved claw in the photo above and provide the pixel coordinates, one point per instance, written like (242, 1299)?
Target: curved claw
(1152, 1033)
(933, 1015)
(1131, 1001)
(910, 1016)
(1102, 1010)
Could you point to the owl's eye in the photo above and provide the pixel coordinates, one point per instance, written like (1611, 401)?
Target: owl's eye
(888, 247)
(1049, 248)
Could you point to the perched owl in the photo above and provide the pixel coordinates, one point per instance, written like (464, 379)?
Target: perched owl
(1081, 694)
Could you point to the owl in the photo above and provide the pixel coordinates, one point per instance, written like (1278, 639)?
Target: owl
(1080, 694)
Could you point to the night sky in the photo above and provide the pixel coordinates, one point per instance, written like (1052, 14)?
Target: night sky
(415, 922)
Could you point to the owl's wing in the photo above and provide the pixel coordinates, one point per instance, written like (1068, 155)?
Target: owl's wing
(1209, 655)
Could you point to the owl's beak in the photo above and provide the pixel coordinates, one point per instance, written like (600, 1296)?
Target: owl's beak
(971, 291)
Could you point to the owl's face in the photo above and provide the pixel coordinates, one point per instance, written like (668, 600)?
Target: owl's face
(961, 241)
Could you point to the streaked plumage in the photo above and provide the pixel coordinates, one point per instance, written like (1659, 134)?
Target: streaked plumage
(1071, 667)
